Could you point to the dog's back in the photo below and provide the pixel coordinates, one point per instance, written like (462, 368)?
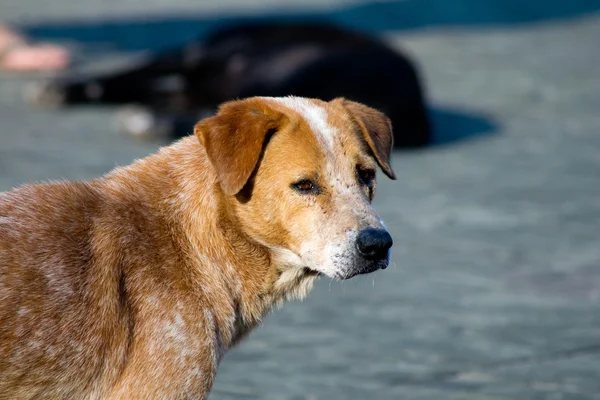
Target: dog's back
(48, 276)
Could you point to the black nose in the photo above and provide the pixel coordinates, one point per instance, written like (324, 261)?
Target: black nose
(373, 244)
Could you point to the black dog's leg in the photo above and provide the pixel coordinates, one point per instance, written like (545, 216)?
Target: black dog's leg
(150, 123)
(143, 83)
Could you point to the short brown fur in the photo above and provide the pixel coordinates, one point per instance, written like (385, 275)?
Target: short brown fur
(134, 285)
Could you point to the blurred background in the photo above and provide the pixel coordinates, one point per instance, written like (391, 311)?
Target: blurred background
(494, 291)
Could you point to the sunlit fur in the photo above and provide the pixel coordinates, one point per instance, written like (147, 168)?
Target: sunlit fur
(134, 285)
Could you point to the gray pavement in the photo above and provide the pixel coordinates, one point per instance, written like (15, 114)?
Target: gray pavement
(495, 288)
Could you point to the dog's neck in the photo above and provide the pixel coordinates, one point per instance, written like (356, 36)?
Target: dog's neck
(254, 277)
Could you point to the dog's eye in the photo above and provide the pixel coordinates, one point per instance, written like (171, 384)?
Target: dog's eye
(366, 175)
(305, 186)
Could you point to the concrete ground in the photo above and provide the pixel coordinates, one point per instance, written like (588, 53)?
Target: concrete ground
(495, 288)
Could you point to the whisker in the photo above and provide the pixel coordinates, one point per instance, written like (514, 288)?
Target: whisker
(396, 266)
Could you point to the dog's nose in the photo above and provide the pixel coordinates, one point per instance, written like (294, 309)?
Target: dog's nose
(373, 244)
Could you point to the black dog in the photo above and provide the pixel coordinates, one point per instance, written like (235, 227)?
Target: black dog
(178, 87)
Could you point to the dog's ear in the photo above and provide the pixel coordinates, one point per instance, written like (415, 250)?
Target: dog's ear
(376, 128)
(234, 139)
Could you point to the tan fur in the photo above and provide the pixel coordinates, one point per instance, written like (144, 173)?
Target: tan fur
(134, 285)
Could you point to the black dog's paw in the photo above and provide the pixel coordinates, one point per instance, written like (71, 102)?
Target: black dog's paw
(46, 94)
(142, 123)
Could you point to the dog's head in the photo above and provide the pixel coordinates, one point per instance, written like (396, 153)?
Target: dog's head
(300, 175)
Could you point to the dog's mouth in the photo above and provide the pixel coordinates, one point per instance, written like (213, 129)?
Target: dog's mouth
(312, 272)
(357, 270)
(364, 269)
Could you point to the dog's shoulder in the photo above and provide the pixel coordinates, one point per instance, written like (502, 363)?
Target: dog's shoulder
(46, 204)
(41, 221)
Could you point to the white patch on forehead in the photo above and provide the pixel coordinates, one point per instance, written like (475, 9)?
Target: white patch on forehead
(315, 115)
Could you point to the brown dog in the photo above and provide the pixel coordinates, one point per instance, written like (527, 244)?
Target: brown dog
(134, 285)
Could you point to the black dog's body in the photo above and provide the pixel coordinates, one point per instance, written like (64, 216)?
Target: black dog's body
(266, 59)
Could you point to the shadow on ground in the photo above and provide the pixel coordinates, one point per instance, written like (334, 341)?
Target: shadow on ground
(153, 34)
(451, 125)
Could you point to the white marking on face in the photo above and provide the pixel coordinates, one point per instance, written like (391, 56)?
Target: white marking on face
(330, 246)
(315, 115)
